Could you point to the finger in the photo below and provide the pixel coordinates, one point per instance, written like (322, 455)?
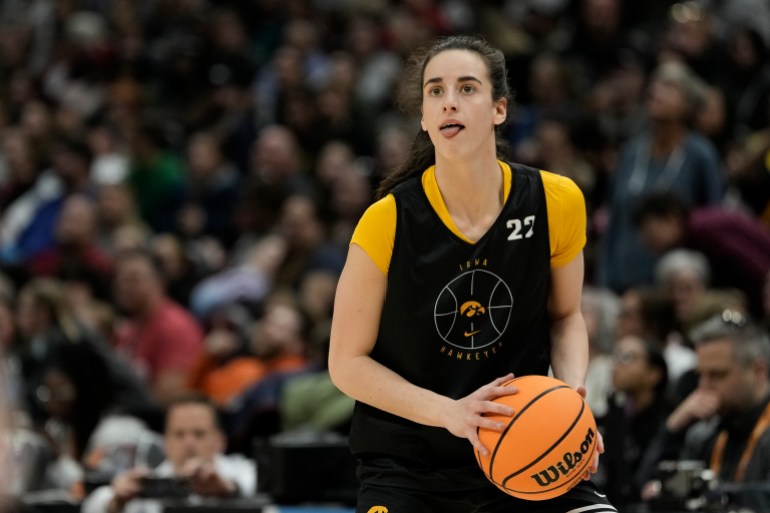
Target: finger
(476, 442)
(492, 425)
(600, 444)
(502, 379)
(500, 409)
(582, 391)
(501, 391)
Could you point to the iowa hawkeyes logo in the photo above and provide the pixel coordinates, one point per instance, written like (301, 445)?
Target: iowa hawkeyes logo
(378, 509)
(473, 310)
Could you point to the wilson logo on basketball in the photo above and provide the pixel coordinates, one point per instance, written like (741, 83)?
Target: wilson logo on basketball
(569, 461)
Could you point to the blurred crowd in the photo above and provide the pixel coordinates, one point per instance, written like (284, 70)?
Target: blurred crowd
(179, 180)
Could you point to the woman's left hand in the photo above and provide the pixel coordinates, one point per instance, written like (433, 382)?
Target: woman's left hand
(599, 443)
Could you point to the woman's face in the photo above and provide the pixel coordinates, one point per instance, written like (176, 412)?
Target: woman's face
(56, 394)
(458, 111)
(29, 317)
(629, 365)
(666, 101)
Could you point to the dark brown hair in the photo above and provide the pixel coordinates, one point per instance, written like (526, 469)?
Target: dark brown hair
(422, 154)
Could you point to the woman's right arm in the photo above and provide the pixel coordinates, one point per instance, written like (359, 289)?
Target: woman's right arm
(357, 310)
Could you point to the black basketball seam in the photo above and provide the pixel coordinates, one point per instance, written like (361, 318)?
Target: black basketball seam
(567, 432)
(579, 471)
(508, 427)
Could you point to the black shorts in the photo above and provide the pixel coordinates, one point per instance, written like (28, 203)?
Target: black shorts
(389, 488)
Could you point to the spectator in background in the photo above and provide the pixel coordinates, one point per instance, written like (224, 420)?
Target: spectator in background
(597, 38)
(37, 121)
(685, 276)
(75, 244)
(279, 340)
(20, 167)
(45, 322)
(194, 445)
(28, 223)
(350, 195)
(648, 312)
(212, 187)
(638, 408)
(747, 83)
(377, 67)
(277, 162)
(333, 158)
(157, 337)
(156, 176)
(393, 143)
(747, 165)
(110, 162)
(247, 280)
(736, 245)
(307, 238)
(600, 309)
(226, 367)
(691, 36)
(555, 150)
(551, 90)
(310, 401)
(181, 271)
(712, 119)
(118, 217)
(75, 392)
(14, 387)
(667, 156)
(723, 422)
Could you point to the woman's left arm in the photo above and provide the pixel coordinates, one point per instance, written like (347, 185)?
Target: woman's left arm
(569, 339)
(569, 345)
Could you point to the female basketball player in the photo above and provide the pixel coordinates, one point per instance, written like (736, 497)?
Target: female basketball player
(466, 271)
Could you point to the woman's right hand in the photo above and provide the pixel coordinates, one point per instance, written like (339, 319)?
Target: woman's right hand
(467, 415)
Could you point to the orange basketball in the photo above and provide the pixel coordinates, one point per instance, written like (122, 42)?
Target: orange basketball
(547, 445)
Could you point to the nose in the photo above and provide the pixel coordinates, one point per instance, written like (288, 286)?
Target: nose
(450, 101)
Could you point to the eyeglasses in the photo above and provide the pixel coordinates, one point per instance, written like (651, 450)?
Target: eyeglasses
(625, 357)
(45, 394)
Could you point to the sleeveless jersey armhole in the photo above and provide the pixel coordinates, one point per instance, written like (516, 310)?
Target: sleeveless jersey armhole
(376, 232)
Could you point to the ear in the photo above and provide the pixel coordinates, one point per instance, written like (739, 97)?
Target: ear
(760, 368)
(501, 111)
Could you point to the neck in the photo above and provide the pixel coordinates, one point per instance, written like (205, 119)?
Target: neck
(641, 399)
(666, 137)
(148, 308)
(470, 189)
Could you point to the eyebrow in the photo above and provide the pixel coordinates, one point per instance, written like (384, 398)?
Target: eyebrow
(468, 78)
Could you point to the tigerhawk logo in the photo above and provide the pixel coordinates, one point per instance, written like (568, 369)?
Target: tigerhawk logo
(473, 310)
(378, 509)
(569, 461)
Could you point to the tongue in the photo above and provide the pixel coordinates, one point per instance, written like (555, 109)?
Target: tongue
(451, 131)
